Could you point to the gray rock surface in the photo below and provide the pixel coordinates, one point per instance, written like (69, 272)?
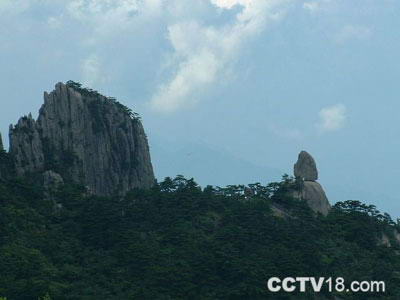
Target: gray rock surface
(315, 196)
(397, 236)
(305, 167)
(1, 143)
(52, 180)
(86, 138)
(384, 240)
(387, 241)
(279, 212)
(1, 162)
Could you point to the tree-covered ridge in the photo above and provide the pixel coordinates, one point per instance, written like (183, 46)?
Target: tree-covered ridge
(181, 241)
(6, 164)
(95, 94)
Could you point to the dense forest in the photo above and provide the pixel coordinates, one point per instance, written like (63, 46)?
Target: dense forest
(181, 241)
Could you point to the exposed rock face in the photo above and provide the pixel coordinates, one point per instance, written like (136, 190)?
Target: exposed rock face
(305, 167)
(1, 154)
(52, 180)
(85, 138)
(6, 167)
(1, 143)
(315, 196)
(384, 240)
(397, 236)
(26, 146)
(311, 191)
(279, 212)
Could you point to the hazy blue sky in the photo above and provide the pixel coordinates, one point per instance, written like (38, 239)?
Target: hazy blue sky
(227, 89)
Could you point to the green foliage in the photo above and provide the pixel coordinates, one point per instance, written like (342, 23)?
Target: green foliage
(45, 297)
(6, 164)
(179, 241)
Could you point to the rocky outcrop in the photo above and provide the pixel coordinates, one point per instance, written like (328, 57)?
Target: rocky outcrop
(280, 212)
(384, 240)
(26, 146)
(1, 157)
(397, 236)
(305, 169)
(52, 180)
(315, 196)
(86, 138)
(389, 239)
(6, 165)
(1, 143)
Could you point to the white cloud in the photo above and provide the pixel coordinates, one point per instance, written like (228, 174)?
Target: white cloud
(106, 17)
(202, 53)
(332, 118)
(353, 32)
(92, 71)
(311, 6)
(316, 6)
(105, 24)
(86, 9)
(228, 4)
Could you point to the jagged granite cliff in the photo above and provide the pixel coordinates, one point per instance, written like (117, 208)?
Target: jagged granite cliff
(85, 138)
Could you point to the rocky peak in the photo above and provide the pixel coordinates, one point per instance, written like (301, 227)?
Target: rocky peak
(306, 170)
(305, 167)
(86, 138)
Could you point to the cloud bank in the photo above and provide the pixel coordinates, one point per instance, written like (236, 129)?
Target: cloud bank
(201, 53)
